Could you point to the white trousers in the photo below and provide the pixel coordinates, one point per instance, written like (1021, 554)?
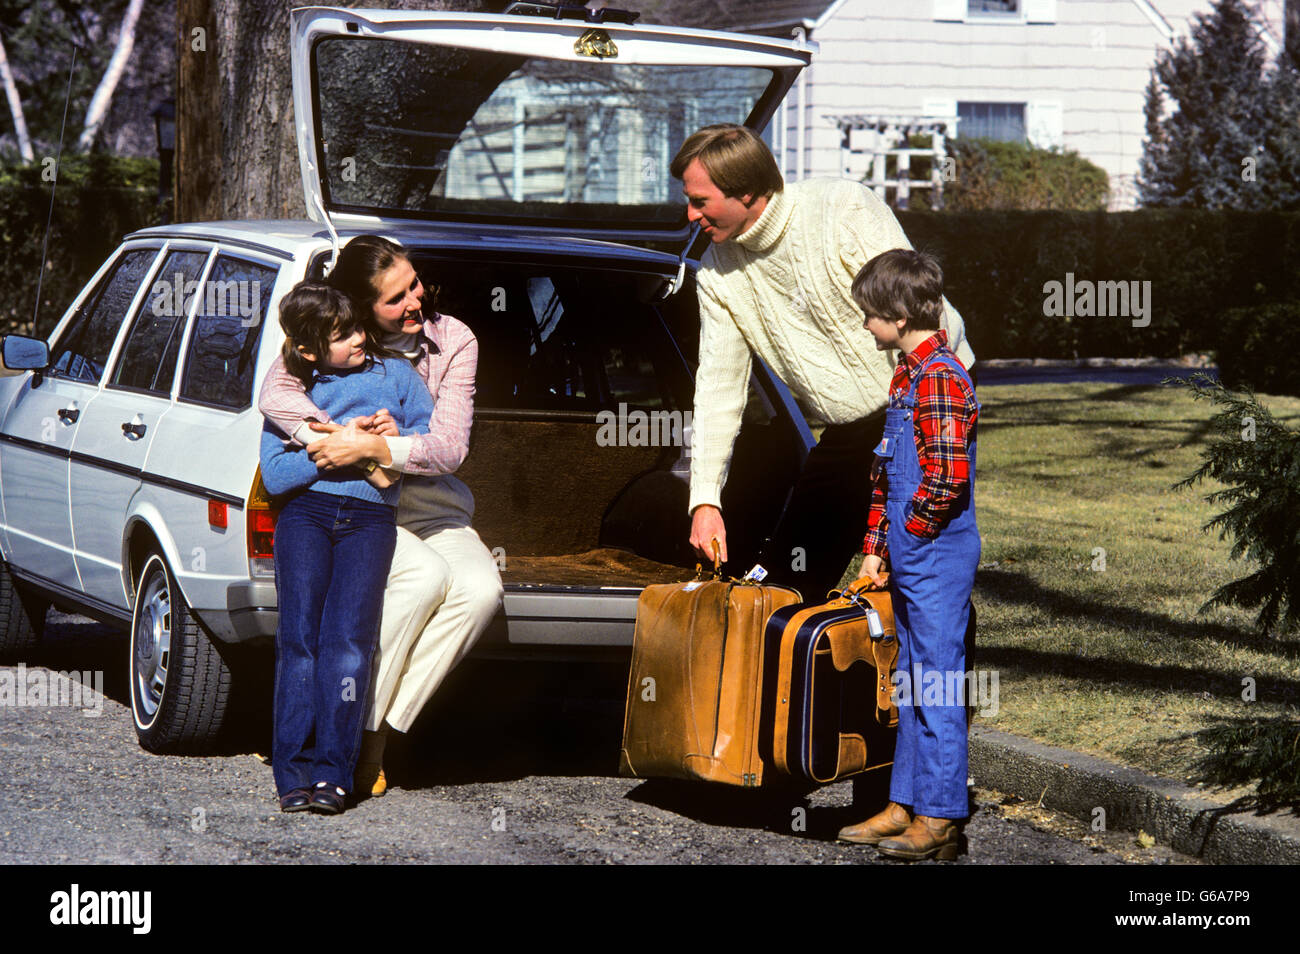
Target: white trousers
(442, 592)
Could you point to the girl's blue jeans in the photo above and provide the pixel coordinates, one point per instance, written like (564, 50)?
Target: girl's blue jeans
(332, 556)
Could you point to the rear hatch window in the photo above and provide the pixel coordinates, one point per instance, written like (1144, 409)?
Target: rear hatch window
(474, 134)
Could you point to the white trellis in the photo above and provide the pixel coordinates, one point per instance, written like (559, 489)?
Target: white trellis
(866, 142)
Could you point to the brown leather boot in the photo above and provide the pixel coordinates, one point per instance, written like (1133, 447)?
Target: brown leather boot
(939, 838)
(892, 821)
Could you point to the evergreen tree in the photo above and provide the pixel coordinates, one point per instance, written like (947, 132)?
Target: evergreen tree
(1278, 173)
(1211, 148)
(1257, 460)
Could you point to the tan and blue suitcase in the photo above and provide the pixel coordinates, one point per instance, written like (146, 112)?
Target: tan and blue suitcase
(828, 668)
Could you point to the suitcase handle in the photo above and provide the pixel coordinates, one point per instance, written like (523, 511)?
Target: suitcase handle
(867, 585)
(853, 591)
(717, 563)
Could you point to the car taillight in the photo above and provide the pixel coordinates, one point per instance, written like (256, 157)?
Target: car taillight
(261, 530)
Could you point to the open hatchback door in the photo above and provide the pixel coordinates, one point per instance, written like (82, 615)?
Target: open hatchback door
(522, 122)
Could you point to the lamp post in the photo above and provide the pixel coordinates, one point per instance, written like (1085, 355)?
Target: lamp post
(164, 124)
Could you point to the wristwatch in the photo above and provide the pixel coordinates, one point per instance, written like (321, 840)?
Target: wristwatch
(369, 466)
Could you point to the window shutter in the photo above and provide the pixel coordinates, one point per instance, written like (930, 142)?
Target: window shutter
(1044, 124)
(950, 10)
(1040, 11)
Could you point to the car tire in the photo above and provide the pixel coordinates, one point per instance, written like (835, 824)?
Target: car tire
(180, 684)
(22, 619)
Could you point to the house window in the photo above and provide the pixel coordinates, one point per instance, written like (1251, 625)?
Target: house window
(975, 8)
(1004, 121)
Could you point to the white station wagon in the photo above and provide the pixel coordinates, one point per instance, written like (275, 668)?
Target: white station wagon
(522, 159)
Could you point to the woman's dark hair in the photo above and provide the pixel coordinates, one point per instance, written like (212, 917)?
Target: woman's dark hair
(360, 263)
(902, 283)
(312, 315)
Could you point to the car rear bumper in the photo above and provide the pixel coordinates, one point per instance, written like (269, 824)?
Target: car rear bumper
(251, 606)
(532, 619)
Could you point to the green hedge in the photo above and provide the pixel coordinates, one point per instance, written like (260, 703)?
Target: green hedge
(990, 174)
(98, 200)
(1200, 264)
(1258, 348)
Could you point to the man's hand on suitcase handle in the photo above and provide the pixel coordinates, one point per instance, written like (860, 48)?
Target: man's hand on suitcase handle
(707, 527)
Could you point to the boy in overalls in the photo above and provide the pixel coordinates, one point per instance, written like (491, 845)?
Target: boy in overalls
(922, 523)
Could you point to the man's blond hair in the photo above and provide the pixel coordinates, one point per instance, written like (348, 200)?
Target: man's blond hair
(738, 162)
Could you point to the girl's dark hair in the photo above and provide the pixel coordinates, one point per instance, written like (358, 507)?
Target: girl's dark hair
(312, 315)
(902, 283)
(360, 263)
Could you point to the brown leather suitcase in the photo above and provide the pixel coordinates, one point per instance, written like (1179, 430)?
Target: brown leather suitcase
(828, 667)
(694, 691)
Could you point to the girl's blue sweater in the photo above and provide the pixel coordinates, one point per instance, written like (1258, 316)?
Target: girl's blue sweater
(388, 382)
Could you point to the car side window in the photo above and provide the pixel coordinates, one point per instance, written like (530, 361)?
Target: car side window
(222, 354)
(82, 350)
(148, 360)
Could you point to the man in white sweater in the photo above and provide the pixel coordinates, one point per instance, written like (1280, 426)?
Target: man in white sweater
(777, 282)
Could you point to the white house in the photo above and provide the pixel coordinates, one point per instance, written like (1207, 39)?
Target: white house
(1066, 73)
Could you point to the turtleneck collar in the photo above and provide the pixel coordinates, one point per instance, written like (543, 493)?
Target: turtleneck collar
(412, 345)
(770, 225)
(408, 345)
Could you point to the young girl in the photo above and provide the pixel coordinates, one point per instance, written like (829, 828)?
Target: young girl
(333, 546)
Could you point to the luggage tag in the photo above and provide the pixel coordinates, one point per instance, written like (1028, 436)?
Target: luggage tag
(874, 626)
(756, 575)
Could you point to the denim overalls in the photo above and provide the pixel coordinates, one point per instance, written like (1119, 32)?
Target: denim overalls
(930, 582)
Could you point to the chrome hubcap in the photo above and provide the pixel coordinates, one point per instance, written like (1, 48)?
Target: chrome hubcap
(152, 638)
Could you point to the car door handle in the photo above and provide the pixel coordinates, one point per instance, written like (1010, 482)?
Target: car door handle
(68, 415)
(135, 431)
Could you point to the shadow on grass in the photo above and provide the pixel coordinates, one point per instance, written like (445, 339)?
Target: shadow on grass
(1016, 589)
(1247, 750)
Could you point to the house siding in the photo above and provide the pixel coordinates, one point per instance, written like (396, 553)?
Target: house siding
(1092, 63)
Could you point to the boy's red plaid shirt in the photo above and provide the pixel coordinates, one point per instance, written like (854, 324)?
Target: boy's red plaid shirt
(943, 422)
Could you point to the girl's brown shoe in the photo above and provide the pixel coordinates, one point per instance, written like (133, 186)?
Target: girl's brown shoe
(938, 838)
(892, 821)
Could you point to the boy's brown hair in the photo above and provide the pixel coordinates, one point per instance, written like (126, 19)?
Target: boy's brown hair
(902, 283)
(736, 159)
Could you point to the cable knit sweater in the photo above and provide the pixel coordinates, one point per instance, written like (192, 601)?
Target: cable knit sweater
(782, 290)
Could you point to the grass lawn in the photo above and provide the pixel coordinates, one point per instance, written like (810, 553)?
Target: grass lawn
(1093, 572)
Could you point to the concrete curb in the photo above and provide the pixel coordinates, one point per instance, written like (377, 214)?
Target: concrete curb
(1174, 814)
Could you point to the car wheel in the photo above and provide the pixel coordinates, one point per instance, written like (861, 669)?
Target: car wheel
(21, 618)
(180, 685)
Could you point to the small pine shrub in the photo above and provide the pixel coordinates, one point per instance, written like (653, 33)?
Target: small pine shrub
(1258, 459)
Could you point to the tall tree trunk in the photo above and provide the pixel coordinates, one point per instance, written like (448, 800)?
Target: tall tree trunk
(199, 114)
(1291, 31)
(116, 67)
(15, 107)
